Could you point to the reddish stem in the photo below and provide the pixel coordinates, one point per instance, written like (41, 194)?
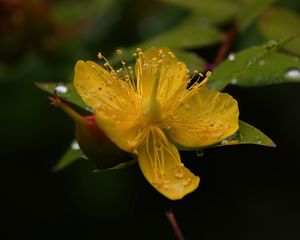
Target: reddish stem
(172, 220)
(225, 46)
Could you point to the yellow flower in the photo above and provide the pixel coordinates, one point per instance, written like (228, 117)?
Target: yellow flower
(151, 111)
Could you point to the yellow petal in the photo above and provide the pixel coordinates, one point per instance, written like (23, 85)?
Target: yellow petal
(203, 118)
(114, 101)
(160, 64)
(160, 163)
(122, 128)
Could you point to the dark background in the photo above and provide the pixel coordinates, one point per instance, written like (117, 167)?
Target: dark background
(246, 192)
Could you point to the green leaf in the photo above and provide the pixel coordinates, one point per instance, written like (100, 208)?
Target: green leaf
(256, 66)
(192, 60)
(192, 32)
(250, 11)
(118, 167)
(213, 11)
(247, 134)
(66, 91)
(62, 12)
(277, 23)
(70, 156)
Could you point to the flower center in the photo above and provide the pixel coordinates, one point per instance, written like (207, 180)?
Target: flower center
(151, 110)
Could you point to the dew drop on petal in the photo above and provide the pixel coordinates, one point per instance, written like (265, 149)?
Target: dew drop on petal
(292, 74)
(75, 145)
(61, 89)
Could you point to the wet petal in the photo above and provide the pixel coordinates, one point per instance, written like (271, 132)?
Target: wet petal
(160, 163)
(123, 129)
(102, 89)
(162, 65)
(114, 101)
(203, 118)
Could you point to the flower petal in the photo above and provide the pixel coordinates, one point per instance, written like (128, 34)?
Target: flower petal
(160, 163)
(114, 101)
(203, 118)
(162, 65)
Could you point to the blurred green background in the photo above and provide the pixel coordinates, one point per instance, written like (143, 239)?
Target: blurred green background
(246, 192)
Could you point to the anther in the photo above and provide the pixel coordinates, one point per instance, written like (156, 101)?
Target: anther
(100, 56)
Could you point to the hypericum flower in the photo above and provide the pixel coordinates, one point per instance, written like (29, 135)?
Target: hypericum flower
(150, 112)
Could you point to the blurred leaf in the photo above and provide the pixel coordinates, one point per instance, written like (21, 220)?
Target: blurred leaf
(70, 156)
(250, 11)
(277, 23)
(247, 134)
(256, 66)
(192, 60)
(192, 32)
(62, 12)
(212, 11)
(118, 167)
(66, 91)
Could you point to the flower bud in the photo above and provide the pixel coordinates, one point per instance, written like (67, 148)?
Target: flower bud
(92, 141)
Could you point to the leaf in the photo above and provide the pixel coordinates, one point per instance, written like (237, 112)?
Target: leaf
(192, 32)
(192, 60)
(62, 12)
(277, 23)
(65, 90)
(118, 167)
(213, 11)
(70, 156)
(247, 134)
(256, 66)
(250, 11)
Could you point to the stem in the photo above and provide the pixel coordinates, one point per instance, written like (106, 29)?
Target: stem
(172, 220)
(224, 47)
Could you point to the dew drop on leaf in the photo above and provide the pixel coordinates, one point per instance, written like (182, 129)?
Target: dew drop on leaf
(271, 44)
(75, 145)
(233, 81)
(292, 74)
(61, 89)
(231, 57)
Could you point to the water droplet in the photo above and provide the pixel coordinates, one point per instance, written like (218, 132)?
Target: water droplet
(258, 139)
(89, 109)
(61, 89)
(261, 62)
(225, 141)
(199, 153)
(271, 44)
(292, 74)
(75, 145)
(251, 62)
(231, 57)
(233, 81)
